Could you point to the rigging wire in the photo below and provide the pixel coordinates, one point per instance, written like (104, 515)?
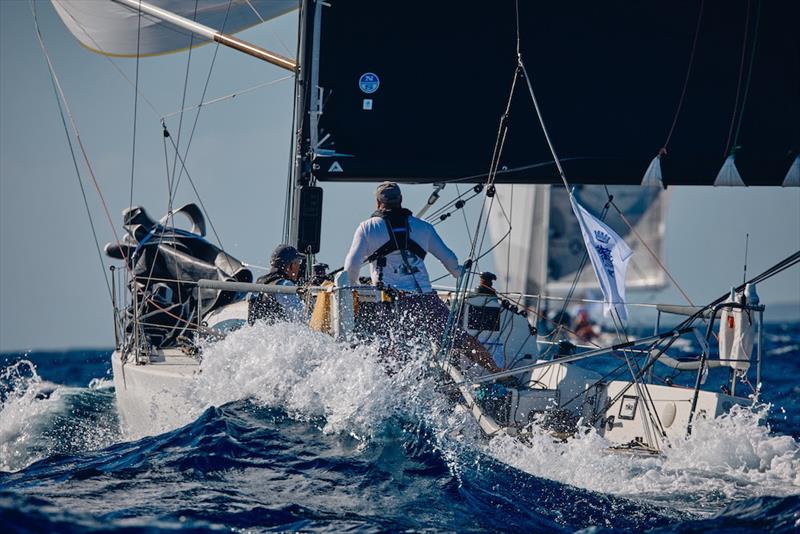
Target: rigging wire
(88, 34)
(495, 163)
(685, 80)
(541, 123)
(175, 182)
(728, 148)
(202, 97)
(171, 175)
(135, 98)
(63, 100)
(649, 250)
(463, 281)
(194, 188)
(228, 96)
(183, 103)
(464, 213)
(274, 33)
(749, 75)
(57, 91)
(456, 201)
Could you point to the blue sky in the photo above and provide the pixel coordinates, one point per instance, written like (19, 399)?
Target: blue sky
(51, 290)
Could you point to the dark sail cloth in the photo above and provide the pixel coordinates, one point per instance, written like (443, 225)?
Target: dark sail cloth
(264, 306)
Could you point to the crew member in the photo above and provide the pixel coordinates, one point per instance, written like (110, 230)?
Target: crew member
(584, 327)
(395, 244)
(486, 283)
(273, 307)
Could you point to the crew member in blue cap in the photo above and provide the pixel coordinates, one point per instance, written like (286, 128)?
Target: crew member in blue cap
(285, 265)
(395, 244)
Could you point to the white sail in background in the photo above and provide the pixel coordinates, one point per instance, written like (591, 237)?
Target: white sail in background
(521, 258)
(644, 207)
(545, 247)
(113, 29)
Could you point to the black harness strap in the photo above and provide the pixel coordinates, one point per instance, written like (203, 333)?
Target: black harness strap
(265, 305)
(399, 238)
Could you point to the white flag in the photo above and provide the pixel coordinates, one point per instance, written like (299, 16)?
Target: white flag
(609, 255)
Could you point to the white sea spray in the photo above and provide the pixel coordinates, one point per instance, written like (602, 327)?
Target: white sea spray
(39, 418)
(312, 376)
(316, 378)
(22, 412)
(729, 458)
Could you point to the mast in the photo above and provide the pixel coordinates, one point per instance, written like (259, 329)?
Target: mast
(307, 112)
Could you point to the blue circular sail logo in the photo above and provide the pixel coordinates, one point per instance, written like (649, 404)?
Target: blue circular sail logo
(369, 82)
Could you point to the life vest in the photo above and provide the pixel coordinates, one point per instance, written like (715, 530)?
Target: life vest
(399, 239)
(264, 306)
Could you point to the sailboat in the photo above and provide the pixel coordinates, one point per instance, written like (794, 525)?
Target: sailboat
(534, 96)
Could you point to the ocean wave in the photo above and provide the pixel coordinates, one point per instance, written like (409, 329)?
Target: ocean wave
(39, 418)
(247, 466)
(292, 430)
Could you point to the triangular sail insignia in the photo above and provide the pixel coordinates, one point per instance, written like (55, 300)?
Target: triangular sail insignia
(609, 255)
(335, 167)
(652, 176)
(729, 174)
(113, 29)
(793, 174)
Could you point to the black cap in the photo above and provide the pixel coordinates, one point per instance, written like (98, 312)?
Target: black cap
(485, 285)
(284, 255)
(487, 278)
(389, 194)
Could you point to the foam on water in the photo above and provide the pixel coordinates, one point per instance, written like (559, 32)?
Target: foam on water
(730, 458)
(23, 407)
(313, 377)
(346, 389)
(39, 418)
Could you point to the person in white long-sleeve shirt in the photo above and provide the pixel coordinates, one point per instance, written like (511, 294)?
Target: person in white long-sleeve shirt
(404, 270)
(395, 244)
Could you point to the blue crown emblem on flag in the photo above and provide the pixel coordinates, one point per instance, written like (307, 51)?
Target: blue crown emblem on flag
(602, 237)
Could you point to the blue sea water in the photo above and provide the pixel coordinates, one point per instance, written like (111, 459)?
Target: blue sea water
(299, 434)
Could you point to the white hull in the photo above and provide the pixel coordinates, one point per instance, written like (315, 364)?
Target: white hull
(154, 397)
(636, 416)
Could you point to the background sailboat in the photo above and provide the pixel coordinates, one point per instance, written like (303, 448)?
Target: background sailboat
(544, 251)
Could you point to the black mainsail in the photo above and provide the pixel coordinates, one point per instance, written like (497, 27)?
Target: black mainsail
(414, 91)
